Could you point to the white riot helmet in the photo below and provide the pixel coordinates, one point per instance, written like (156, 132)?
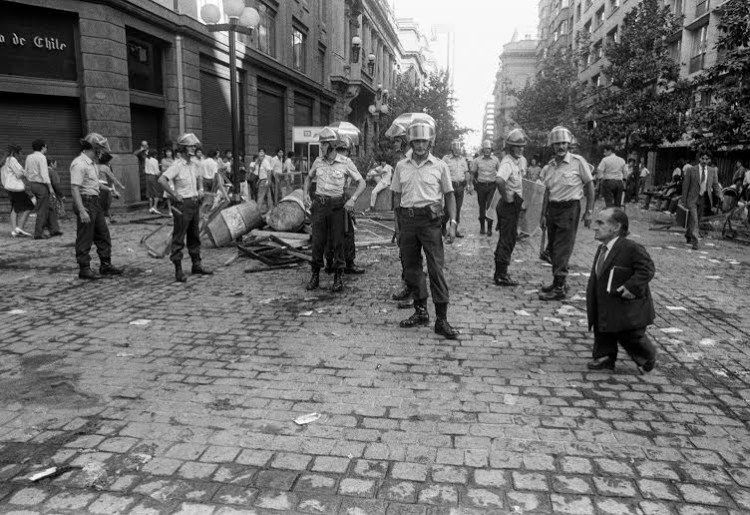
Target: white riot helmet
(456, 146)
(420, 130)
(188, 139)
(97, 141)
(486, 144)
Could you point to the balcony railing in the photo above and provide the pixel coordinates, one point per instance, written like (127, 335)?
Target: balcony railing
(701, 8)
(696, 63)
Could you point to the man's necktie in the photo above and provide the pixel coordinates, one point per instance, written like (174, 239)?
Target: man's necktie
(703, 174)
(601, 258)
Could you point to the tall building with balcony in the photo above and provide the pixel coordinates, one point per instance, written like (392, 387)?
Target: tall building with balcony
(555, 30)
(517, 68)
(488, 122)
(417, 58)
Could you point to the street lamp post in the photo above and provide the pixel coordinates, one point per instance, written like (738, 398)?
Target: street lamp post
(243, 20)
(379, 107)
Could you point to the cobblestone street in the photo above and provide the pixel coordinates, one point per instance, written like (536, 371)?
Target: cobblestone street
(152, 396)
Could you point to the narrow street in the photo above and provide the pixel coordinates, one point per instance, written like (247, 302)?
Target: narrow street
(151, 396)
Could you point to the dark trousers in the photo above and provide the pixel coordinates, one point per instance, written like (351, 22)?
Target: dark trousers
(95, 232)
(459, 189)
(186, 226)
(635, 342)
(562, 227)
(694, 217)
(328, 216)
(423, 232)
(485, 190)
(45, 215)
(105, 200)
(507, 224)
(252, 186)
(612, 191)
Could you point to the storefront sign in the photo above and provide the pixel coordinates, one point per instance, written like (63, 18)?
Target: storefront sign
(36, 42)
(305, 134)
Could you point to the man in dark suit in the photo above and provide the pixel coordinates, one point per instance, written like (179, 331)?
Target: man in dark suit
(697, 187)
(621, 314)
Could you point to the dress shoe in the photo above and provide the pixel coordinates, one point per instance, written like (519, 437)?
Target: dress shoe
(648, 366)
(179, 275)
(695, 245)
(605, 362)
(544, 256)
(199, 269)
(21, 232)
(443, 328)
(109, 269)
(41, 237)
(56, 233)
(352, 269)
(458, 234)
(482, 232)
(504, 280)
(404, 294)
(87, 274)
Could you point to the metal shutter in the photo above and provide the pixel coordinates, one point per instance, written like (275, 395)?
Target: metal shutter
(56, 120)
(270, 117)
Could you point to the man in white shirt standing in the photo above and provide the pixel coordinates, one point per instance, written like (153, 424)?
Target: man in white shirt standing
(382, 174)
(611, 171)
(265, 170)
(37, 173)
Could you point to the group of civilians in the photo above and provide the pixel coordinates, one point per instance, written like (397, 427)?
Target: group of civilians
(264, 179)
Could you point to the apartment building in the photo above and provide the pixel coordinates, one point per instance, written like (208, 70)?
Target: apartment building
(517, 68)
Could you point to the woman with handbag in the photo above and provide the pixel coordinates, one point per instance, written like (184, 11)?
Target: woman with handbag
(21, 204)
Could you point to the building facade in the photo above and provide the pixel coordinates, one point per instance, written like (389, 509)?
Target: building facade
(517, 68)
(149, 70)
(488, 122)
(417, 59)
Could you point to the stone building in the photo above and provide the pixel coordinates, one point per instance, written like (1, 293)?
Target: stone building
(517, 68)
(149, 70)
(417, 59)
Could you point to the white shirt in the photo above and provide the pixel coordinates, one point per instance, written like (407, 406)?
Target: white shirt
(151, 167)
(703, 177)
(210, 168)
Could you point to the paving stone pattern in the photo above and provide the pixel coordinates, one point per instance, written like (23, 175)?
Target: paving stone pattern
(157, 397)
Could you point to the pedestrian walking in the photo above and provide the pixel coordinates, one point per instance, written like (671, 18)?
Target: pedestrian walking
(37, 174)
(611, 172)
(328, 205)
(510, 186)
(485, 167)
(460, 179)
(91, 228)
(11, 173)
(186, 189)
(567, 179)
(699, 186)
(277, 175)
(618, 298)
(265, 174)
(420, 184)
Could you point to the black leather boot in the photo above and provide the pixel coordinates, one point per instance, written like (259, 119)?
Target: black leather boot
(199, 269)
(314, 281)
(501, 277)
(420, 316)
(352, 268)
(481, 226)
(107, 268)
(558, 292)
(442, 327)
(87, 274)
(489, 227)
(338, 283)
(179, 275)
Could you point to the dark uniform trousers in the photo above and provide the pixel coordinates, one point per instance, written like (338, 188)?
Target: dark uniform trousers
(635, 342)
(485, 190)
(562, 227)
(421, 229)
(507, 223)
(95, 232)
(45, 215)
(187, 225)
(612, 191)
(458, 190)
(328, 217)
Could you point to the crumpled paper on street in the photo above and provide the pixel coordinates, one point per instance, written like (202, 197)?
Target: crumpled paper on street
(559, 321)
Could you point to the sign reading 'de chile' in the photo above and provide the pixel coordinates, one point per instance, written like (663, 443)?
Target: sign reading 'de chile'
(36, 42)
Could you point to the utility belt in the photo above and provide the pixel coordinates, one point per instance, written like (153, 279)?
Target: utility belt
(564, 203)
(325, 200)
(433, 211)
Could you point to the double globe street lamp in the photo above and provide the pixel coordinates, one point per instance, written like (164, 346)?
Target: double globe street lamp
(244, 20)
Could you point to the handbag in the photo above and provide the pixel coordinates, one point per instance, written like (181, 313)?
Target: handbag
(10, 181)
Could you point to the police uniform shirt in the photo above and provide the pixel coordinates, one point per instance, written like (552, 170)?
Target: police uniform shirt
(612, 167)
(511, 171)
(331, 177)
(183, 175)
(486, 168)
(421, 184)
(457, 166)
(565, 180)
(84, 174)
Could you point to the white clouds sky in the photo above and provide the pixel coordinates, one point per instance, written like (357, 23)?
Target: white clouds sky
(482, 27)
